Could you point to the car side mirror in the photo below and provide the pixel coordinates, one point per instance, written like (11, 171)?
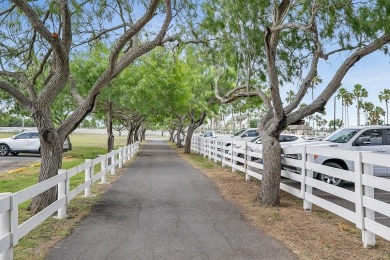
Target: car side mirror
(363, 141)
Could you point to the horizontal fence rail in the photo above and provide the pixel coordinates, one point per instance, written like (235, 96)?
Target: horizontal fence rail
(360, 206)
(11, 231)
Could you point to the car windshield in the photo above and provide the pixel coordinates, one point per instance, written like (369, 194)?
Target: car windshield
(254, 140)
(239, 132)
(342, 136)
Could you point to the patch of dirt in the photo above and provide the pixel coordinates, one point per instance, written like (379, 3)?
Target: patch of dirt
(318, 234)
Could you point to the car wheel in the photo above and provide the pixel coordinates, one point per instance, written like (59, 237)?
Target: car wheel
(330, 179)
(13, 153)
(4, 150)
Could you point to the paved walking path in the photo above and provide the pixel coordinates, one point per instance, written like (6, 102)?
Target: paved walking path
(162, 208)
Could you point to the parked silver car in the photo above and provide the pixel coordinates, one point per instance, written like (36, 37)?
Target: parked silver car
(26, 142)
(247, 134)
(361, 138)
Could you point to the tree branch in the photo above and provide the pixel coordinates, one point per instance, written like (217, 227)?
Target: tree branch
(335, 83)
(100, 34)
(38, 25)
(310, 75)
(10, 89)
(73, 90)
(134, 29)
(41, 66)
(66, 25)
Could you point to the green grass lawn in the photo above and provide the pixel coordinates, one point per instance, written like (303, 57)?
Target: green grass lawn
(84, 146)
(4, 135)
(36, 243)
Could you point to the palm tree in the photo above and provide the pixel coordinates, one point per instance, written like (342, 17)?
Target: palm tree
(348, 100)
(358, 93)
(340, 95)
(367, 108)
(318, 119)
(376, 114)
(316, 80)
(385, 95)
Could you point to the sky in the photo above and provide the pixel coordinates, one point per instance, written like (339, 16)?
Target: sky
(372, 72)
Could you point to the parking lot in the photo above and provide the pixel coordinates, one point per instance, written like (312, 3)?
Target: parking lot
(9, 163)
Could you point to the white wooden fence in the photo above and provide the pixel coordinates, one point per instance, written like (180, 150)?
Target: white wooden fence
(11, 231)
(368, 213)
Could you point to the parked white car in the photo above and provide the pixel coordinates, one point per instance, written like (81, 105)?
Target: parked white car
(246, 135)
(285, 141)
(208, 134)
(26, 142)
(362, 138)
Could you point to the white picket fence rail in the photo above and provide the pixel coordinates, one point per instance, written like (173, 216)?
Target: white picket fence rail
(365, 210)
(11, 231)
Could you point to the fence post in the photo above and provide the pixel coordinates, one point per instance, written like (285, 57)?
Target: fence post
(204, 147)
(103, 167)
(359, 191)
(306, 174)
(222, 154)
(247, 176)
(61, 213)
(124, 154)
(232, 158)
(113, 162)
(120, 157)
(128, 152)
(215, 154)
(5, 228)
(88, 174)
(368, 237)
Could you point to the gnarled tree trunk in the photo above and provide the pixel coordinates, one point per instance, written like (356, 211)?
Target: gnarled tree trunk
(179, 130)
(171, 133)
(194, 124)
(136, 133)
(110, 140)
(269, 189)
(130, 133)
(51, 158)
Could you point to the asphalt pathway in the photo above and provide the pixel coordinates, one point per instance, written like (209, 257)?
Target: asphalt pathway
(11, 163)
(163, 208)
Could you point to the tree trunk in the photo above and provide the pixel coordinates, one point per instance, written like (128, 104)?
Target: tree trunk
(136, 133)
(387, 113)
(110, 141)
(171, 132)
(270, 185)
(190, 132)
(358, 112)
(179, 129)
(130, 133)
(194, 124)
(51, 159)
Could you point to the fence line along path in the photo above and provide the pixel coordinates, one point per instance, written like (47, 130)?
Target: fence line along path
(367, 205)
(11, 231)
(163, 208)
